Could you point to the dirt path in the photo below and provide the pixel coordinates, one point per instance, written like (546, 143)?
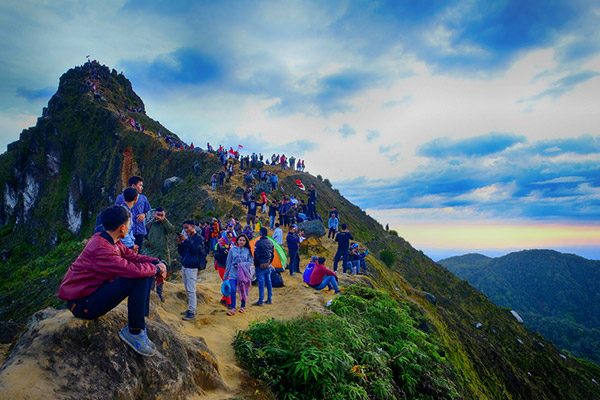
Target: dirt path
(218, 329)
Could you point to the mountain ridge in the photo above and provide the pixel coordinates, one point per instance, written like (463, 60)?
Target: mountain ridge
(96, 150)
(554, 292)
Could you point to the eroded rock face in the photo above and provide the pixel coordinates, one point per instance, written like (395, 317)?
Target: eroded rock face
(62, 357)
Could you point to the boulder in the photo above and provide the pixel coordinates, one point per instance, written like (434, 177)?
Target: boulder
(430, 298)
(262, 187)
(313, 228)
(197, 168)
(62, 357)
(238, 192)
(169, 182)
(517, 316)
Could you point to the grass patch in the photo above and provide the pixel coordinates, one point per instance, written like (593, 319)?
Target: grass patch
(370, 349)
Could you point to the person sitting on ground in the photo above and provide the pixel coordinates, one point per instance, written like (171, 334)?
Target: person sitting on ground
(322, 276)
(264, 253)
(193, 258)
(309, 269)
(106, 272)
(156, 244)
(238, 256)
(357, 259)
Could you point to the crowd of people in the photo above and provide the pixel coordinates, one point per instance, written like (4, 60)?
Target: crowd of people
(129, 254)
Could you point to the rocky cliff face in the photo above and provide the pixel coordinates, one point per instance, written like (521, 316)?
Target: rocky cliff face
(79, 156)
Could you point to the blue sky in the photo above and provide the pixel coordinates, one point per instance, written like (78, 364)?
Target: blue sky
(428, 114)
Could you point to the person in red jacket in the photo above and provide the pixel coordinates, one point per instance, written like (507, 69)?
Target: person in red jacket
(106, 272)
(321, 277)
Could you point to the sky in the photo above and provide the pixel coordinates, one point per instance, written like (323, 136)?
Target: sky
(467, 126)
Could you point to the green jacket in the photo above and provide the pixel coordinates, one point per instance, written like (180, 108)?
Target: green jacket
(157, 243)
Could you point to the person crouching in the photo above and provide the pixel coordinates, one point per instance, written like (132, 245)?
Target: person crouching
(106, 272)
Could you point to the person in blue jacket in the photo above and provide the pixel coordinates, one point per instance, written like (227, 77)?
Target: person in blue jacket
(139, 211)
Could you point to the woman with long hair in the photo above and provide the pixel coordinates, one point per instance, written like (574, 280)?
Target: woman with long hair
(237, 269)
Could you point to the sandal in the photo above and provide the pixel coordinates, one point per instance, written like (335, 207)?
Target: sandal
(242, 310)
(231, 312)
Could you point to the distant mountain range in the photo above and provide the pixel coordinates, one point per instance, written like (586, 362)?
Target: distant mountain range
(556, 294)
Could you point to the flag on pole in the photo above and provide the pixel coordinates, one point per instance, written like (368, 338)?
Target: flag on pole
(300, 184)
(240, 146)
(87, 56)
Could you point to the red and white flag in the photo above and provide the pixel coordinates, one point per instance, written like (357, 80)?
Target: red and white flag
(300, 184)
(240, 146)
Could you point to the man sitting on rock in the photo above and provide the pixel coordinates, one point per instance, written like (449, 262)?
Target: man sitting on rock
(106, 272)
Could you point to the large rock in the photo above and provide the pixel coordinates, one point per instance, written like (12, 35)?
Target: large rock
(169, 183)
(313, 228)
(262, 187)
(62, 357)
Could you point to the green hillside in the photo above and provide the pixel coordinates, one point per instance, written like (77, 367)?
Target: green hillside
(556, 294)
(445, 340)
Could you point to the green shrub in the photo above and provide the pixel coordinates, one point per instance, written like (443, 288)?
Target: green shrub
(393, 232)
(370, 349)
(388, 257)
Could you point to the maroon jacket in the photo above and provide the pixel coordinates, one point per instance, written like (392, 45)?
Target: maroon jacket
(102, 260)
(319, 272)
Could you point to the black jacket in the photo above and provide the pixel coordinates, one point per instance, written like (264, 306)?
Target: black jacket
(192, 252)
(264, 251)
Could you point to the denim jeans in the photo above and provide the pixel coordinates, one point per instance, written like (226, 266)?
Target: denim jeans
(111, 294)
(233, 284)
(263, 276)
(328, 281)
(271, 222)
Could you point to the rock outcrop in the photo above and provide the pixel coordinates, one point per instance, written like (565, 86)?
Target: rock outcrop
(62, 357)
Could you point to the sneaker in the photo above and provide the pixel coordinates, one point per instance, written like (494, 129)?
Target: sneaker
(256, 304)
(162, 299)
(189, 316)
(268, 302)
(231, 312)
(139, 343)
(292, 274)
(242, 310)
(150, 342)
(184, 312)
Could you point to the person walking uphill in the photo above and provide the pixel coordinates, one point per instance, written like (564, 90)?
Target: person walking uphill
(193, 258)
(312, 202)
(239, 261)
(264, 252)
(106, 272)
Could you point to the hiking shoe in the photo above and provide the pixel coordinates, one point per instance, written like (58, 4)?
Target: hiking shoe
(139, 343)
(256, 304)
(146, 333)
(189, 316)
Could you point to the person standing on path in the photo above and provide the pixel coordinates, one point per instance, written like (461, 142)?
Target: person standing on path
(139, 211)
(237, 254)
(193, 258)
(264, 253)
(157, 244)
(312, 202)
(343, 240)
(293, 244)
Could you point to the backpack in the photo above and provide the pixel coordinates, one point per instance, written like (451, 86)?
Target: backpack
(276, 279)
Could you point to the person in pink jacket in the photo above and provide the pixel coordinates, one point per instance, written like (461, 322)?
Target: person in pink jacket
(106, 272)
